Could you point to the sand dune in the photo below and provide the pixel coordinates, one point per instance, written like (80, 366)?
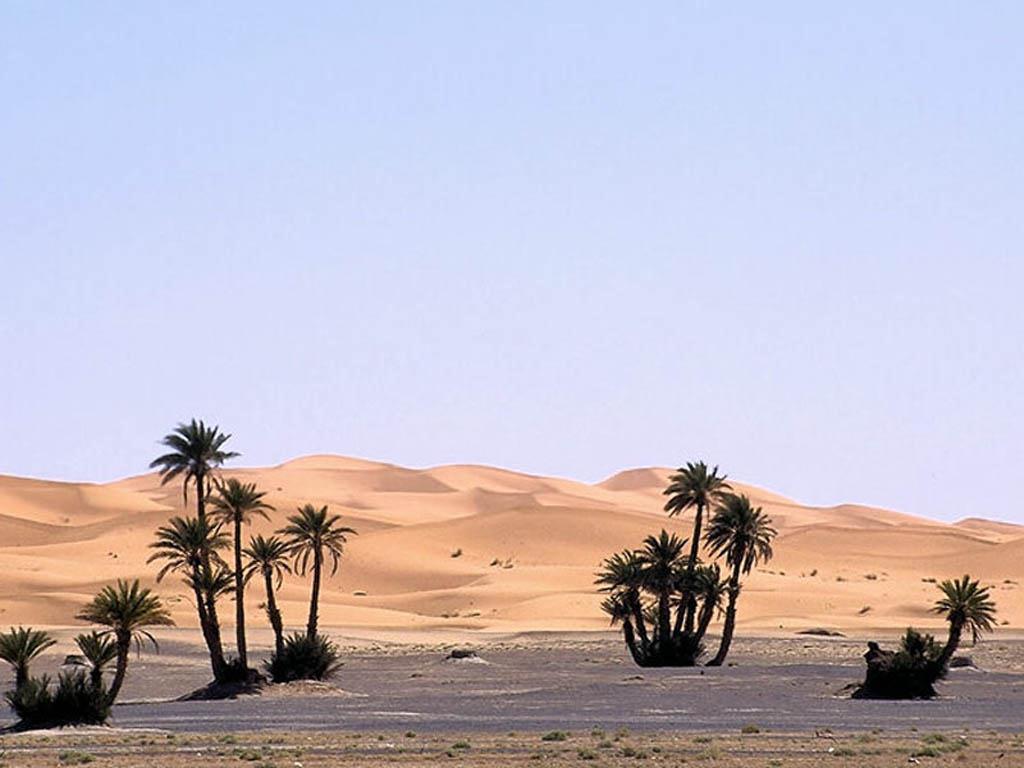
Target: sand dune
(475, 547)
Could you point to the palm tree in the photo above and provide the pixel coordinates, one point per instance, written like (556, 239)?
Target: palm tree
(19, 646)
(312, 534)
(236, 503)
(196, 452)
(966, 605)
(269, 558)
(184, 543)
(622, 576)
(662, 565)
(127, 609)
(743, 533)
(99, 649)
(694, 486)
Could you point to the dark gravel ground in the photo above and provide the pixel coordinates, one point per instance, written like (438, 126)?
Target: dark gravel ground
(565, 683)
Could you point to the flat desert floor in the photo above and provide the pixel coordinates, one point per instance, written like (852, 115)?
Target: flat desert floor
(575, 682)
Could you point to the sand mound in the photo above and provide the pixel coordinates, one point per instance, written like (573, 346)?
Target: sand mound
(472, 547)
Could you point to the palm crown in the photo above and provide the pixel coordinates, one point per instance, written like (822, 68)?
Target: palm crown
(184, 541)
(127, 608)
(967, 604)
(662, 560)
(196, 450)
(267, 556)
(20, 645)
(238, 502)
(740, 531)
(694, 486)
(312, 533)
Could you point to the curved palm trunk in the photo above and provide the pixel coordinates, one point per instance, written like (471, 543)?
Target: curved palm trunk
(641, 625)
(630, 635)
(217, 662)
(691, 567)
(707, 613)
(243, 658)
(273, 612)
(211, 631)
(730, 617)
(124, 646)
(314, 598)
(955, 632)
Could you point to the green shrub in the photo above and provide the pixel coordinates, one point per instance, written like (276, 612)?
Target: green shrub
(555, 736)
(303, 658)
(74, 701)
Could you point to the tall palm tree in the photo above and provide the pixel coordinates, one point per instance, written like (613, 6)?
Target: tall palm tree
(622, 575)
(127, 609)
(694, 486)
(269, 558)
(236, 503)
(313, 534)
(19, 646)
(744, 534)
(196, 452)
(99, 649)
(966, 605)
(184, 543)
(663, 563)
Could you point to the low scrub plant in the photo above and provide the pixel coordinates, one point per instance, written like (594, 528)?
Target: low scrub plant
(304, 658)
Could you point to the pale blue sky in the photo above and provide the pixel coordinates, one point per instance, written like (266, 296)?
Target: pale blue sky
(565, 238)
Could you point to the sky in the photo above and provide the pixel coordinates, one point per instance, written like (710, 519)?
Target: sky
(564, 238)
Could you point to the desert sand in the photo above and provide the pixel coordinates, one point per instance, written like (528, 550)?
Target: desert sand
(527, 548)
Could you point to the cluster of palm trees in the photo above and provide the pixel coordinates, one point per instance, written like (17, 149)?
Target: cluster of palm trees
(666, 573)
(191, 546)
(126, 610)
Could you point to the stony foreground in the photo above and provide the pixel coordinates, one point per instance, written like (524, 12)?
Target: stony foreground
(594, 747)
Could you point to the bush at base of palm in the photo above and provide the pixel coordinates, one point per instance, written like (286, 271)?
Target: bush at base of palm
(304, 658)
(73, 701)
(908, 673)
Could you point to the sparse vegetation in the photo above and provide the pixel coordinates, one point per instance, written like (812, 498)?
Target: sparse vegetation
(912, 671)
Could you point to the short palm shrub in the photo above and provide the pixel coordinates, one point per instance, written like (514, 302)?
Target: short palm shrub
(907, 673)
(74, 700)
(304, 658)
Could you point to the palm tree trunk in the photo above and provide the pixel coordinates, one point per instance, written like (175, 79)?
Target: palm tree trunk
(641, 625)
(730, 617)
(680, 614)
(274, 613)
(955, 632)
(243, 659)
(124, 647)
(20, 674)
(212, 630)
(691, 567)
(706, 614)
(314, 598)
(664, 620)
(217, 662)
(630, 635)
